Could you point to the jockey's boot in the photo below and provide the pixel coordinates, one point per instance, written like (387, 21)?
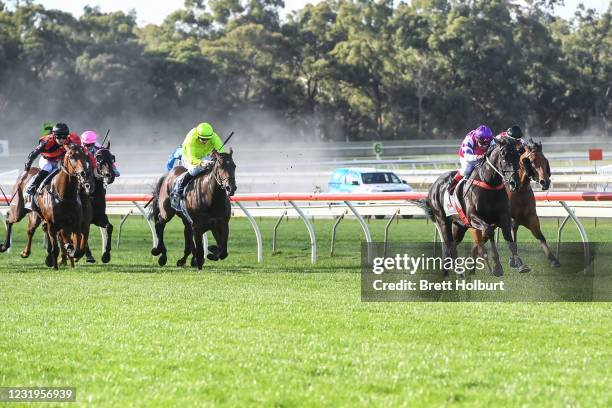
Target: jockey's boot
(34, 186)
(178, 195)
(456, 179)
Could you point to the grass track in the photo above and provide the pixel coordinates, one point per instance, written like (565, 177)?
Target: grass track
(286, 333)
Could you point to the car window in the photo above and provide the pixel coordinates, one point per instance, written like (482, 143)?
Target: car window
(380, 178)
(350, 177)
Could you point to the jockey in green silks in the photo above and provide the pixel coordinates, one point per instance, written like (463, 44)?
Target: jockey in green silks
(199, 144)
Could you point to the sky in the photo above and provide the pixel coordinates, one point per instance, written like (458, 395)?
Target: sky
(151, 11)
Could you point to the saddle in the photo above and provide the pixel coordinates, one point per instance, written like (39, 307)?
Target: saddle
(181, 207)
(453, 203)
(30, 201)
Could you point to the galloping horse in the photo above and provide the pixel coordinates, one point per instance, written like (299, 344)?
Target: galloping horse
(484, 201)
(208, 208)
(533, 166)
(59, 205)
(104, 176)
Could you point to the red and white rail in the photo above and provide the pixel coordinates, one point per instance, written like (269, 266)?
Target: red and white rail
(590, 204)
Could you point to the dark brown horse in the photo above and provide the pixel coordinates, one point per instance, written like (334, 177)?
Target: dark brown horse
(104, 175)
(207, 202)
(533, 166)
(484, 201)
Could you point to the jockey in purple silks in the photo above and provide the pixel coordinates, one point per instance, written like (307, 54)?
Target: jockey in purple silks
(473, 148)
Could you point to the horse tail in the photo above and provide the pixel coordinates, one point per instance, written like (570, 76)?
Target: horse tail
(423, 204)
(155, 201)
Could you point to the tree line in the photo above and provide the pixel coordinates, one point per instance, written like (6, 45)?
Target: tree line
(336, 70)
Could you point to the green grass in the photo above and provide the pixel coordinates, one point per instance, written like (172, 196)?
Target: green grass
(287, 333)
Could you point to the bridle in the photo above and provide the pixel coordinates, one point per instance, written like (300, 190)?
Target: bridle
(501, 173)
(71, 173)
(221, 182)
(101, 160)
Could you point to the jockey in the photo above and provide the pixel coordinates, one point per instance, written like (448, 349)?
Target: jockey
(199, 143)
(51, 147)
(515, 134)
(474, 146)
(176, 155)
(89, 138)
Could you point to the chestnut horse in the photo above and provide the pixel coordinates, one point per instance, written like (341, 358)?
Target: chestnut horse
(208, 209)
(533, 166)
(485, 203)
(59, 205)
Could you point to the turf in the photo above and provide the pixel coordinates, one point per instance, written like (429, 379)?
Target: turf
(287, 333)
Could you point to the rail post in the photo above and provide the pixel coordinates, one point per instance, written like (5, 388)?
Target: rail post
(275, 230)
(123, 219)
(364, 226)
(255, 229)
(148, 219)
(333, 237)
(582, 231)
(311, 232)
(387, 229)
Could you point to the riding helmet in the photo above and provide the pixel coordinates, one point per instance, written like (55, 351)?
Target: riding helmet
(205, 131)
(61, 129)
(46, 128)
(515, 132)
(484, 134)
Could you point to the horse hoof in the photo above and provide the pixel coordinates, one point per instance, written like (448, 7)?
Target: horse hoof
(213, 248)
(24, 254)
(513, 263)
(3, 248)
(162, 260)
(212, 257)
(223, 256)
(106, 257)
(194, 262)
(156, 251)
(555, 264)
(90, 260)
(181, 262)
(498, 271)
(524, 269)
(49, 261)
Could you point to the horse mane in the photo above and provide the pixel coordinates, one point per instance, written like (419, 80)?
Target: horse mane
(534, 146)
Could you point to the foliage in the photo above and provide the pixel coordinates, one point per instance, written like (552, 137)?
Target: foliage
(339, 69)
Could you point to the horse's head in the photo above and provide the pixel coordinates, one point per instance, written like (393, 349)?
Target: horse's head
(225, 171)
(104, 163)
(76, 165)
(504, 159)
(536, 164)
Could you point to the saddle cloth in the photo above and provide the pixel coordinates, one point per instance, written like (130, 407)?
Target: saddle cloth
(452, 205)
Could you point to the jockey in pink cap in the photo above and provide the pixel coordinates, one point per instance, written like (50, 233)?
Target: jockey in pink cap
(89, 138)
(473, 148)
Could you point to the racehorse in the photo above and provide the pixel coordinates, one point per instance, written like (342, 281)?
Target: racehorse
(59, 205)
(94, 206)
(208, 208)
(533, 166)
(485, 204)
(104, 176)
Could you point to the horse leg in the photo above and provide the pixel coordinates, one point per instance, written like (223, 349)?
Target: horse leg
(108, 230)
(446, 231)
(66, 241)
(458, 234)
(533, 223)
(489, 233)
(515, 260)
(221, 234)
(188, 236)
(33, 222)
(514, 230)
(199, 246)
(160, 249)
(14, 215)
(53, 245)
(479, 249)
